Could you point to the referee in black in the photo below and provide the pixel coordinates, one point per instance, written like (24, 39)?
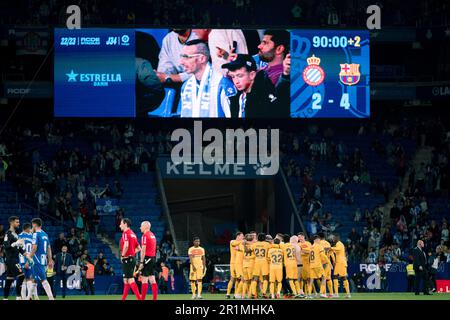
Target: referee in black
(13, 247)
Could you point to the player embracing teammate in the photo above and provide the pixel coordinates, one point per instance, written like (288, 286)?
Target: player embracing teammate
(310, 268)
(27, 257)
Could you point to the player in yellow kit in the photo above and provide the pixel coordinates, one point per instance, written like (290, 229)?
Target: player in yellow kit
(197, 269)
(275, 257)
(248, 263)
(330, 261)
(290, 264)
(236, 252)
(305, 247)
(340, 267)
(317, 259)
(261, 267)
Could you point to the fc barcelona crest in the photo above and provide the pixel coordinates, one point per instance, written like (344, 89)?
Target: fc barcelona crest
(349, 74)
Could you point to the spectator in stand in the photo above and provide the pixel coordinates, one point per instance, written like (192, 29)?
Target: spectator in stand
(2, 236)
(445, 234)
(372, 256)
(169, 65)
(163, 279)
(119, 217)
(95, 221)
(3, 167)
(349, 198)
(117, 189)
(354, 236)
(107, 268)
(222, 43)
(357, 216)
(97, 193)
(387, 239)
(98, 267)
(171, 281)
(167, 237)
(79, 223)
(179, 279)
(87, 255)
(74, 244)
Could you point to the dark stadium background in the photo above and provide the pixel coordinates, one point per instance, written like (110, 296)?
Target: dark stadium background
(409, 126)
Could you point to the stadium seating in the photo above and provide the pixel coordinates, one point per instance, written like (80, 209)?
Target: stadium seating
(376, 165)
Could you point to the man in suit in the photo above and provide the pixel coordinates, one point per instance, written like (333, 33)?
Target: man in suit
(62, 262)
(420, 268)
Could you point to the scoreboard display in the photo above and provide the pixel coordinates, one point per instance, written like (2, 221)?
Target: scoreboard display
(330, 74)
(112, 73)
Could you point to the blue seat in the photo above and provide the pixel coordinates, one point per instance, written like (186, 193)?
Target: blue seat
(165, 108)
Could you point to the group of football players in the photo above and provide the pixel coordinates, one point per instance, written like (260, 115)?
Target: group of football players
(259, 263)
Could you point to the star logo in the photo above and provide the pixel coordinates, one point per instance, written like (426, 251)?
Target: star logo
(72, 76)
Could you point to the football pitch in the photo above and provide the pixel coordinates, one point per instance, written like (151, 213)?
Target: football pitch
(355, 296)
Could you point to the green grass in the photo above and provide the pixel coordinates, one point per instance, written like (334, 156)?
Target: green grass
(355, 296)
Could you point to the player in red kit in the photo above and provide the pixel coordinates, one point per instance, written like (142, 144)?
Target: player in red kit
(148, 260)
(129, 246)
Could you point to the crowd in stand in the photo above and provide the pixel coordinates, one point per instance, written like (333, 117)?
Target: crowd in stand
(234, 12)
(389, 233)
(66, 186)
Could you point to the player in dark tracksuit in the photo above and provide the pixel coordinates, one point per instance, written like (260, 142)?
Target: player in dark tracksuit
(13, 247)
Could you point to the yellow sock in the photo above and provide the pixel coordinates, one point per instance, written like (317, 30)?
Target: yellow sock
(301, 285)
(336, 286)
(238, 288)
(253, 288)
(199, 285)
(230, 285)
(323, 287)
(279, 286)
(346, 287)
(293, 288)
(193, 287)
(244, 288)
(265, 285)
(272, 288)
(297, 286)
(310, 286)
(330, 286)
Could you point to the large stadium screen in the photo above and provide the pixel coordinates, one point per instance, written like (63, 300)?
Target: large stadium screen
(222, 73)
(330, 74)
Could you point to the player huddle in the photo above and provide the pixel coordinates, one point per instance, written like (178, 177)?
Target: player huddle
(28, 257)
(258, 263)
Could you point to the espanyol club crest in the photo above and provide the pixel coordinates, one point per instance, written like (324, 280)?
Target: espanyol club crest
(313, 74)
(349, 74)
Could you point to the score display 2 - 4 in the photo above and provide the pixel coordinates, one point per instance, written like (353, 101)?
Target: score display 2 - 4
(330, 74)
